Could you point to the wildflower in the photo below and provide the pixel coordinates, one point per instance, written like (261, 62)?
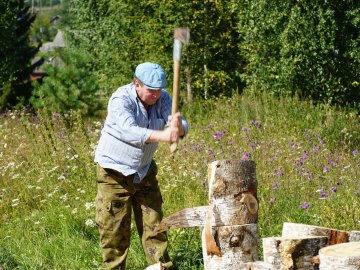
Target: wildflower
(245, 129)
(230, 142)
(323, 194)
(326, 168)
(217, 135)
(88, 205)
(246, 156)
(90, 223)
(37, 222)
(333, 189)
(74, 211)
(355, 152)
(316, 149)
(210, 125)
(36, 119)
(272, 200)
(279, 174)
(305, 155)
(305, 205)
(275, 185)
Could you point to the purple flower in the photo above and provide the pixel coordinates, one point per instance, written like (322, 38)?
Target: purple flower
(279, 174)
(333, 189)
(275, 185)
(252, 145)
(305, 156)
(316, 149)
(245, 129)
(246, 156)
(305, 205)
(355, 152)
(230, 142)
(255, 123)
(36, 119)
(326, 168)
(217, 135)
(323, 194)
(211, 125)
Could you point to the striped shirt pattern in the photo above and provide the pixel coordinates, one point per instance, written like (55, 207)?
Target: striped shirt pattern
(127, 126)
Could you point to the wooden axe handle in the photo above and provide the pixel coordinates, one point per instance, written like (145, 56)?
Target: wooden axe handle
(175, 98)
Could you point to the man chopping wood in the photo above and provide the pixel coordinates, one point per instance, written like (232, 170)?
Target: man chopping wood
(126, 173)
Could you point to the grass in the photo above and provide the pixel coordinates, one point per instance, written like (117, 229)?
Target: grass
(307, 169)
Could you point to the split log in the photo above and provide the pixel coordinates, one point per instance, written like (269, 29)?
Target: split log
(238, 245)
(156, 266)
(293, 253)
(340, 257)
(294, 230)
(233, 201)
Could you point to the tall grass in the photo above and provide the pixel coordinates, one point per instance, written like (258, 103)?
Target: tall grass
(307, 168)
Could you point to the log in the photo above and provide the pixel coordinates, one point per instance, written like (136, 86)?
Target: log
(294, 230)
(238, 245)
(293, 253)
(156, 266)
(340, 257)
(233, 201)
(354, 236)
(233, 192)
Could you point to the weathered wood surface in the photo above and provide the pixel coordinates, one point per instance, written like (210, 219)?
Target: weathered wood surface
(238, 245)
(156, 266)
(293, 253)
(354, 236)
(294, 230)
(340, 257)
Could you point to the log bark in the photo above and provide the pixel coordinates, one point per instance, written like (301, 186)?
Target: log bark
(340, 257)
(233, 201)
(233, 192)
(293, 230)
(238, 245)
(293, 253)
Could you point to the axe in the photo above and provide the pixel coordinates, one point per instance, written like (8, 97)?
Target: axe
(181, 36)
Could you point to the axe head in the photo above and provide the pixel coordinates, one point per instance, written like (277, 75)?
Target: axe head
(182, 34)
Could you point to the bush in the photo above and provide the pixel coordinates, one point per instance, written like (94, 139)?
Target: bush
(307, 48)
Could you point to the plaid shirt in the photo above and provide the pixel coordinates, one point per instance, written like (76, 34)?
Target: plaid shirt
(127, 127)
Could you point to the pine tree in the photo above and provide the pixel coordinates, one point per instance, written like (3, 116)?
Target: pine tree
(16, 52)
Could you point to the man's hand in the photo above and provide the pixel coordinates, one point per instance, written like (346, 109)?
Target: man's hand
(170, 134)
(175, 120)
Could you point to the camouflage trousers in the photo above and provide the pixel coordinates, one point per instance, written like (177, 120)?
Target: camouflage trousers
(116, 198)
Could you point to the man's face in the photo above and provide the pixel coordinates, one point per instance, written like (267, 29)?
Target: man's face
(146, 95)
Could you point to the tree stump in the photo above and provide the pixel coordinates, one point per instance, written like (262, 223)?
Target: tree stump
(294, 230)
(340, 257)
(233, 200)
(293, 253)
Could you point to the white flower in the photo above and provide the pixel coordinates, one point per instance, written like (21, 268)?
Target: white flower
(90, 223)
(74, 211)
(88, 205)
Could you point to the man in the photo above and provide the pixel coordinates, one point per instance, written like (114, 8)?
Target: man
(126, 171)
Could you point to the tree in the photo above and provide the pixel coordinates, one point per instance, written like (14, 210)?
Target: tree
(70, 85)
(121, 34)
(308, 48)
(16, 52)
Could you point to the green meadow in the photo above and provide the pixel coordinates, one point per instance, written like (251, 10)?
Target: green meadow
(307, 166)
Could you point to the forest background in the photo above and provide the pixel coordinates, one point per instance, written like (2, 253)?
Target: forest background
(273, 81)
